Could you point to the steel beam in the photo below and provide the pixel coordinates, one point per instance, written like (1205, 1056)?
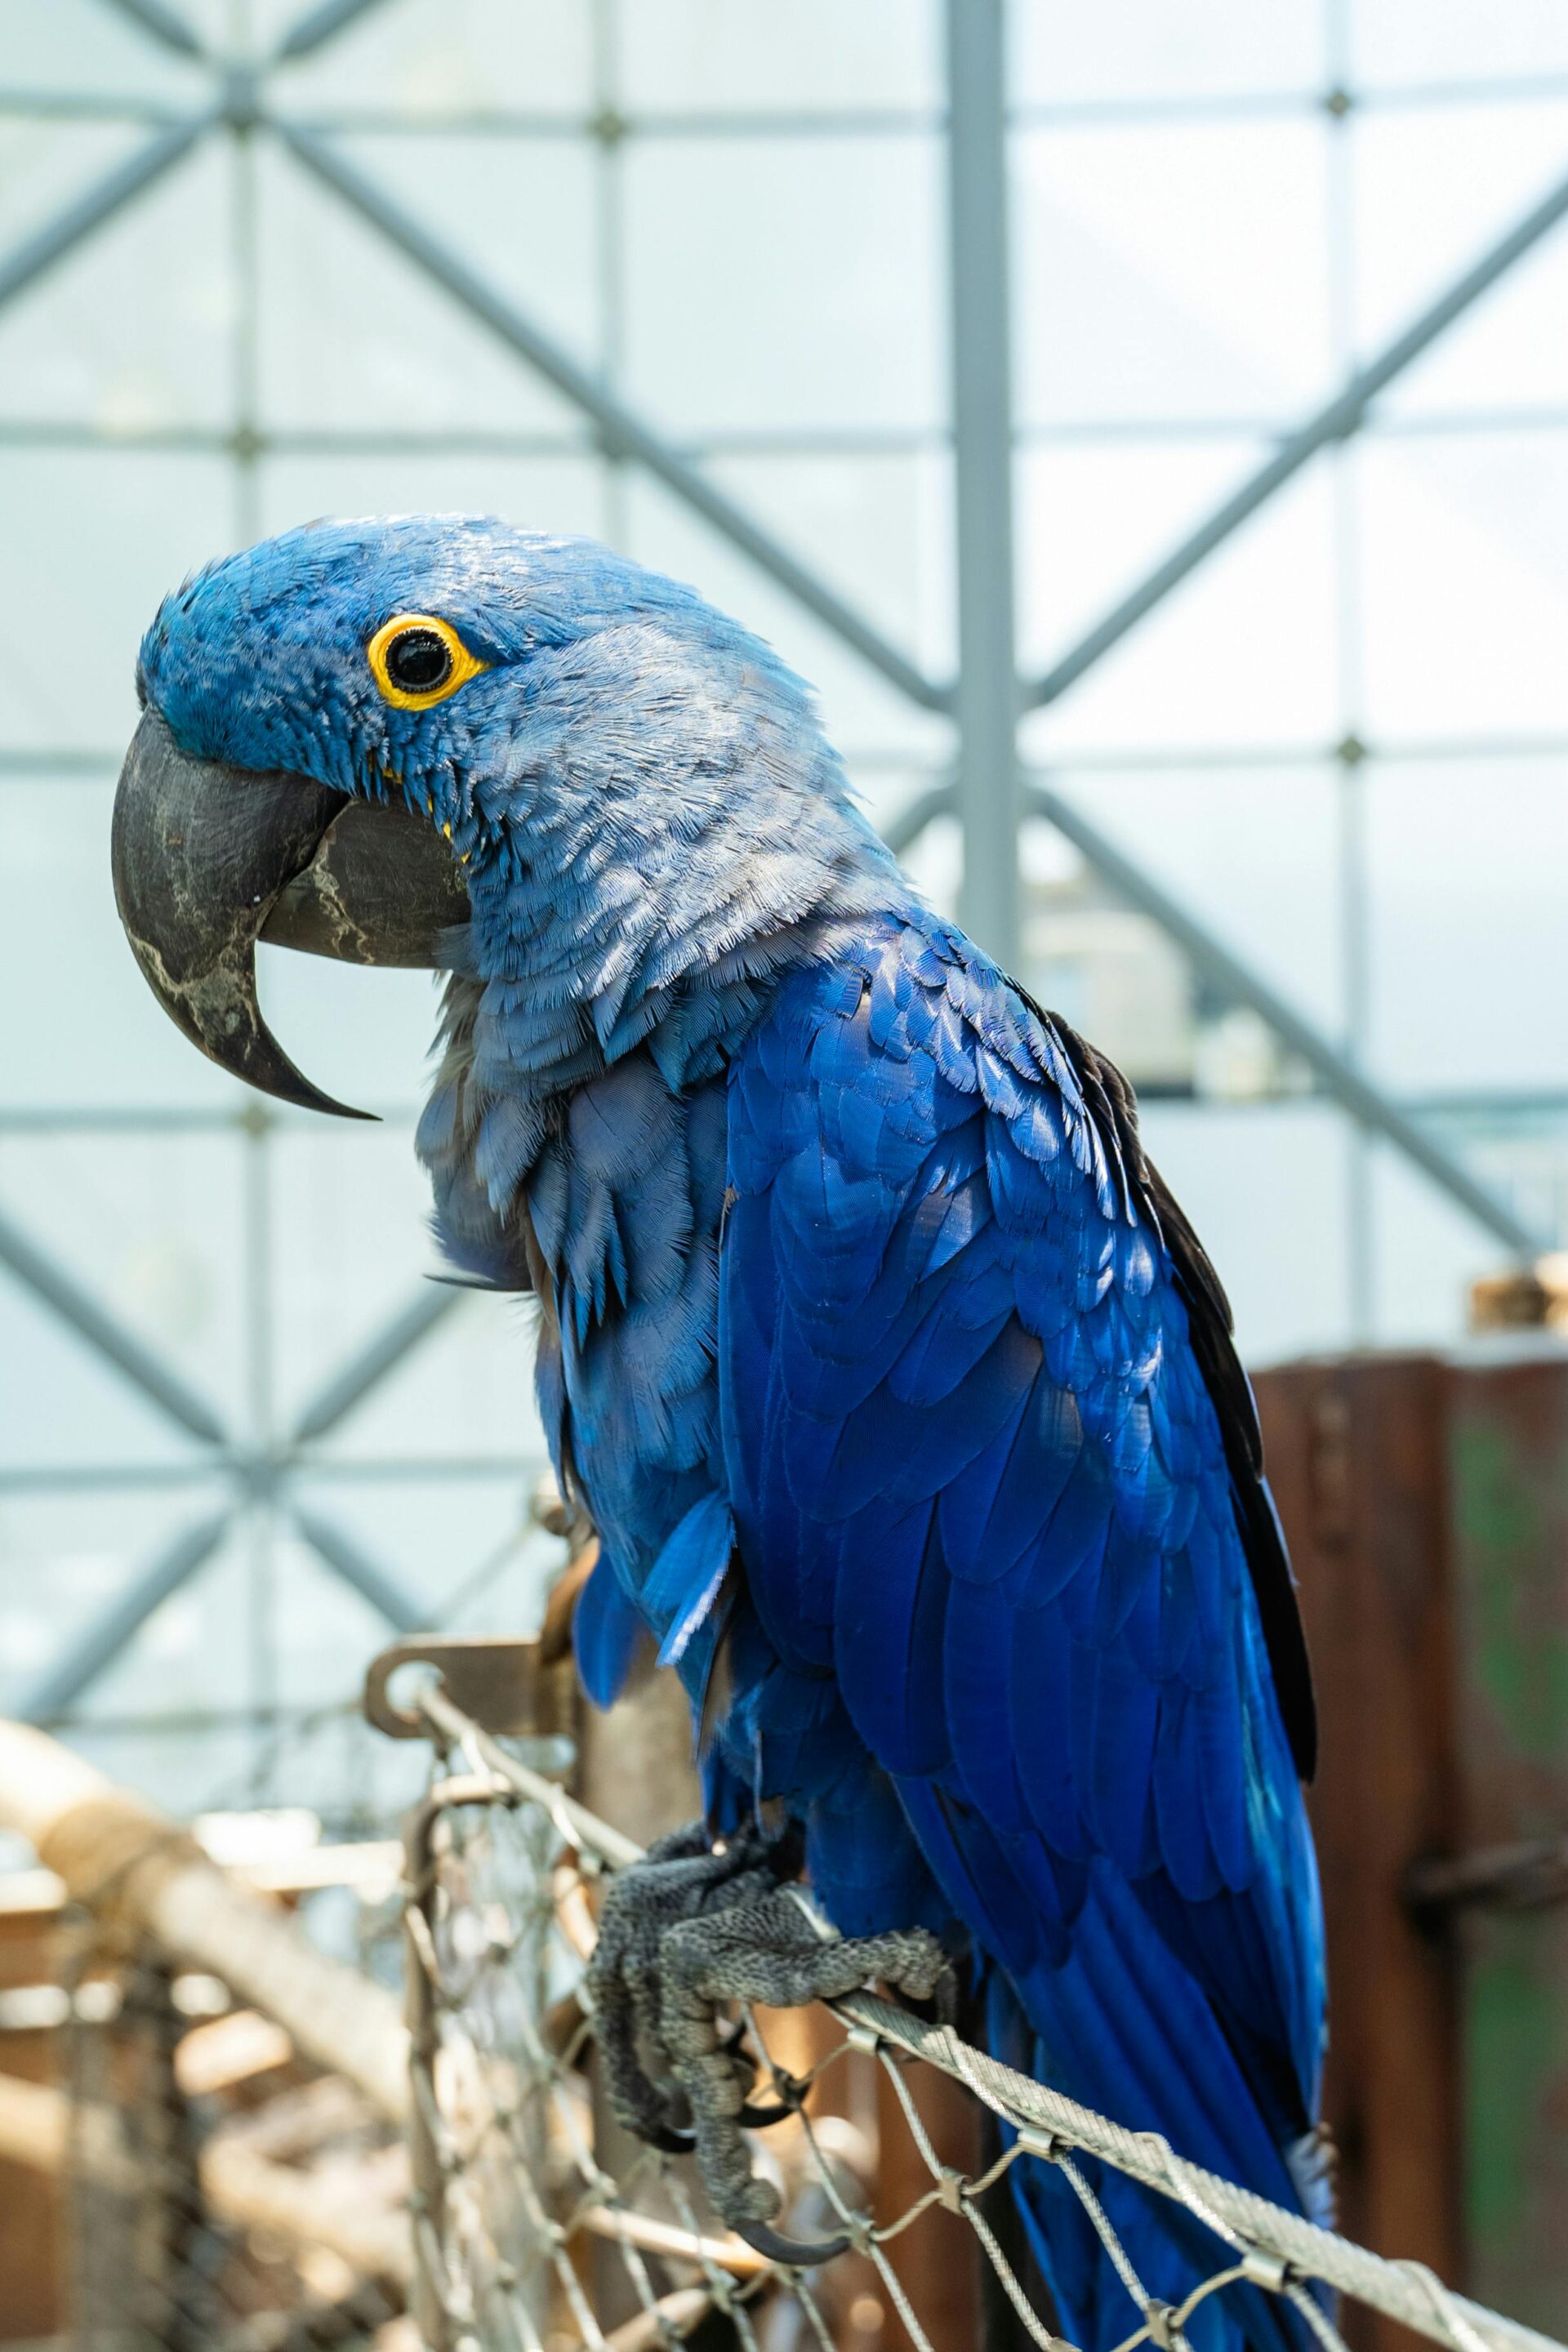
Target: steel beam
(980, 342)
(1240, 985)
(621, 432)
(164, 23)
(32, 255)
(65, 1296)
(370, 1366)
(83, 106)
(343, 1557)
(901, 831)
(1343, 415)
(104, 1639)
(318, 25)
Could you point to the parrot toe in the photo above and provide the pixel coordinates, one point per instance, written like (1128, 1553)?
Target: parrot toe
(685, 1934)
(680, 1874)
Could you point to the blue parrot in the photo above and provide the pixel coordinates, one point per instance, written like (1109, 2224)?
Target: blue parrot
(898, 1389)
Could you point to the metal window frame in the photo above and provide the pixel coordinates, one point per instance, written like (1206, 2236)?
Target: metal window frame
(991, 794)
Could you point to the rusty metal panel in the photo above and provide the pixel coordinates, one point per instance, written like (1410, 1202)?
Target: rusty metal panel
(1425, 1499)
(1507, 1447)
(1355, 1451)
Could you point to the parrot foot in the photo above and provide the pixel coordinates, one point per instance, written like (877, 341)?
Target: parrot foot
(688, 1930)
(679, 1876)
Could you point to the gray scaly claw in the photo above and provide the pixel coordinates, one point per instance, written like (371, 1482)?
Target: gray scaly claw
(677, 1875)
(687, 1932)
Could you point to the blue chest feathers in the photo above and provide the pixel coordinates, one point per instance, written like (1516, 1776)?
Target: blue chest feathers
(626, 1202)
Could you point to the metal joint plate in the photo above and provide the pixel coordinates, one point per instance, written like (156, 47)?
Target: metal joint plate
(502, 1684)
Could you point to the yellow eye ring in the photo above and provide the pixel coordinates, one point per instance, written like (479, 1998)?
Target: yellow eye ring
(417, 661)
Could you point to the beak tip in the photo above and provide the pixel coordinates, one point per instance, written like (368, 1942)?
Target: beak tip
(200, 854)
(281, 1079)
(208, 859)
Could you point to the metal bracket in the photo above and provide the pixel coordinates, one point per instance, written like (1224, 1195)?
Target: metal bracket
(1530, 1875)
(502, 1685)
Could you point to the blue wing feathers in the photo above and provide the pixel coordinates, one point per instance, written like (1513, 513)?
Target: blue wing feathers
(966, 1369)
(684, 1584)
(888, 1645)
(607, 1630)
(1113, 1719)
(865, 1865)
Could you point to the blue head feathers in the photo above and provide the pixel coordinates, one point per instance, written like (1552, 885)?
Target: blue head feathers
(627, 776)
(647, 814)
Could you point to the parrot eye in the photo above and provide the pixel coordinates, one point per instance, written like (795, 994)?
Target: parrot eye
(417, 661)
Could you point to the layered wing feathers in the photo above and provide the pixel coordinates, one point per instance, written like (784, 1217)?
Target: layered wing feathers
(995, 1471)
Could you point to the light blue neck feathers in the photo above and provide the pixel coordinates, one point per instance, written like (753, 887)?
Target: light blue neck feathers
(662, 829)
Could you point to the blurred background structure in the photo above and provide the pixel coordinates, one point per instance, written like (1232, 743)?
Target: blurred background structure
(1184, 573)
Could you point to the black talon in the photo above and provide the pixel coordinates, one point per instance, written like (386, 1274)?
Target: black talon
(791, 2092)
(791, 2253)
(668, 2139)
(755, 2118)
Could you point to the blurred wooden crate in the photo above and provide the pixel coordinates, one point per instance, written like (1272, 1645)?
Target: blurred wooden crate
(30, 2250)
(1427, 1503)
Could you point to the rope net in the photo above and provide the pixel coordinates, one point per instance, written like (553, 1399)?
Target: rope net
(539, 2225)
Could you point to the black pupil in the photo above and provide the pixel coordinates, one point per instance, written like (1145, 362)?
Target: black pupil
(417, 660)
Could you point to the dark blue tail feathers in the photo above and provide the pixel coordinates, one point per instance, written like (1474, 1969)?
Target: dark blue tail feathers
(1169, 2249)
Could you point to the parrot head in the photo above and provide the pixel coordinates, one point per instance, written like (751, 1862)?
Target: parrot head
(439, 740)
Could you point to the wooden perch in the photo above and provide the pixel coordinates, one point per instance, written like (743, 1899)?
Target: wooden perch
(134, 1868)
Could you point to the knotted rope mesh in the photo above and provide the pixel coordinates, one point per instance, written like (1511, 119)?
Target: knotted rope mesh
(541, 2226)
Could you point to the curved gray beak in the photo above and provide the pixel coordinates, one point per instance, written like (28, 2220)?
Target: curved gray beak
(209, 858)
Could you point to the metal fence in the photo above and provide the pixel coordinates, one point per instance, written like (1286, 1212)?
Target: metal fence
(539, 2225)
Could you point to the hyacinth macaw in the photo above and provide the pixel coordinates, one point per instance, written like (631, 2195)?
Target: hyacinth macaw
(900, 1390)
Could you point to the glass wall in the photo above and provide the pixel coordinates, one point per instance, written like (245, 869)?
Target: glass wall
(1343, 742)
